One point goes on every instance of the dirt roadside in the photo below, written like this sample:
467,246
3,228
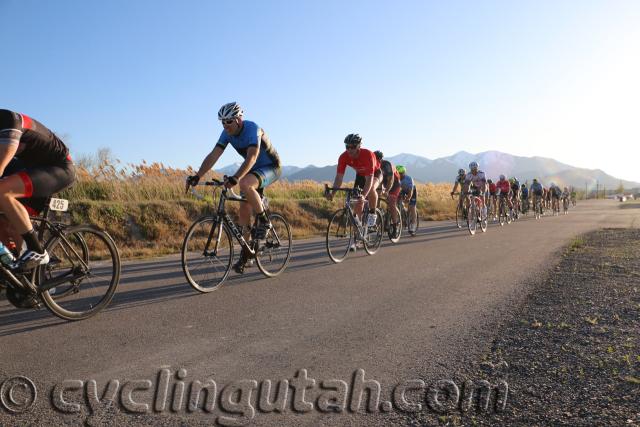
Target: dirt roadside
570,353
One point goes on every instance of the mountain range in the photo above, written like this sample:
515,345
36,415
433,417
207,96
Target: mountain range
493,163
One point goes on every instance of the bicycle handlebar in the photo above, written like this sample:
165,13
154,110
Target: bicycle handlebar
218,183
352,191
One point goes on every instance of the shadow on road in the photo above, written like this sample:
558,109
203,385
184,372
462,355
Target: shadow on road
137,288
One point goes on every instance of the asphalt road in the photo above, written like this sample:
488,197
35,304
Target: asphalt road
414,310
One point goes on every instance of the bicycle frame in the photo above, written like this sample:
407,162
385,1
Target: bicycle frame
350,193
57,229
222,215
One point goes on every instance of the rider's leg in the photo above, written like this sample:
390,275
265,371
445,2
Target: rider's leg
373,196
249,185
413,214
12,187
392,203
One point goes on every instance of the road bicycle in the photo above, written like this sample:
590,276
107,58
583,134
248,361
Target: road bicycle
208,248
462,211
565,205
537,207
82,274
404,215
345,229
504,212
393,230
525,206
492,208
515,211
555,206
475,216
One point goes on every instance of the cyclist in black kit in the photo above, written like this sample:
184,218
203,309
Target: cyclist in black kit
34,164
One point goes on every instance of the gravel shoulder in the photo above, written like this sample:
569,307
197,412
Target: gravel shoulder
570,352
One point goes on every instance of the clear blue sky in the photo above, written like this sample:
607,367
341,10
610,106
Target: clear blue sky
557,78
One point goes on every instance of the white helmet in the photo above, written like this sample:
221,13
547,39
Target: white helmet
473,165
230,111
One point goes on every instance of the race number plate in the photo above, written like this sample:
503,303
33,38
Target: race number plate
59,205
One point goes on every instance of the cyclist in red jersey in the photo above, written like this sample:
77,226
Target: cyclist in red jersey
368,174
504,187
34,164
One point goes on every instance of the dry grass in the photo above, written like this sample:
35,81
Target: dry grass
145,208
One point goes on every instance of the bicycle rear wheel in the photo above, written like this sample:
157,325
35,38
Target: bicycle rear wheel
206,267
339,236
273,253
83,273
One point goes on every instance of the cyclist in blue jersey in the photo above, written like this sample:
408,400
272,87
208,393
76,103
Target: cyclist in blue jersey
261,167
409,193
536,192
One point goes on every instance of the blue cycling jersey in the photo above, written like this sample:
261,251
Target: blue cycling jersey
536,186
252,135
406,184
525,192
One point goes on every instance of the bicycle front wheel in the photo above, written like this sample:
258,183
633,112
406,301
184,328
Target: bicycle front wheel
82,274
340,236
273,253
373,239
395,230
207,253
472,222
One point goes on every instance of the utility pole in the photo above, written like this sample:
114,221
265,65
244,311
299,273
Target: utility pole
586,196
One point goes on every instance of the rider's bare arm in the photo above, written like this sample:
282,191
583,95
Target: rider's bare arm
337,182
210,160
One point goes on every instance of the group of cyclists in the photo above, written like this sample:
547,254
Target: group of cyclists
35,163
517,198
376,176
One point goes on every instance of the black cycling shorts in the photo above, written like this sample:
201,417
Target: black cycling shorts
40,182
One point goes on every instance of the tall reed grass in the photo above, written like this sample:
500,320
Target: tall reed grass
145,207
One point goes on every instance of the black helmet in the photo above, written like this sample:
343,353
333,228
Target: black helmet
353,139
378,154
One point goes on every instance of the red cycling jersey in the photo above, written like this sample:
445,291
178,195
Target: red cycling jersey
492,188
504,186
365,164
